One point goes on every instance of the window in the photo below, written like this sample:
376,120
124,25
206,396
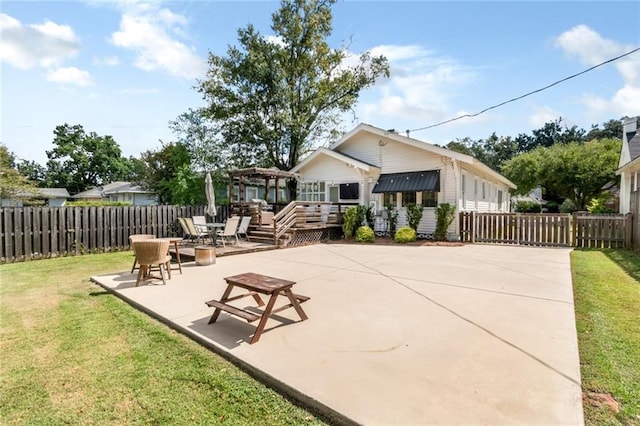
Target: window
389,199
500,200
484,191
333,193
408,198
429,199
312,191
349,191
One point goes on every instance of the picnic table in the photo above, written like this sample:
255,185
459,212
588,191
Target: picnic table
257,284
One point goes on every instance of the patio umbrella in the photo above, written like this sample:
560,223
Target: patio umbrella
211,196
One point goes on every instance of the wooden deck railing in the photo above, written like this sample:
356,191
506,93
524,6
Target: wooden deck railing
301,215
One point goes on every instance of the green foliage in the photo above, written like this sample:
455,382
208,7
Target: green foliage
12,182
405,234
414,215
369,215
170,175
528,207
97,203
80,161
273,101
202,142
575,171
353,219
493,151
392,217
598,204
364,234
445,214
567,206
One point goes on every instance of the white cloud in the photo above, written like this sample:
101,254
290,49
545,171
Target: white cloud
541,116
590,48
110,61
36,45
153,34
421,86
70,75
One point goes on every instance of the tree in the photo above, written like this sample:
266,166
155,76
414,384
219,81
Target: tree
551,133
33,171
273,97
80,161
169,174
12,182
202,141
578,172
611,129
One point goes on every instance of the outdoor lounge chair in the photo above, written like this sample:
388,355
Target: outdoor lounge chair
152,253
138,237
190,230
229,231
243,228
200,223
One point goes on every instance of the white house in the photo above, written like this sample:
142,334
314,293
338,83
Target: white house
119,191
629,167
374,167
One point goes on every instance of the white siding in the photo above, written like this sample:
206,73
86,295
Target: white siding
334,172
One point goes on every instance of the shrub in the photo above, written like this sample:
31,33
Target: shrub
568,206
528,207
445,213
353,219
414,215
405,234
364,234
370,216
392,217
597,205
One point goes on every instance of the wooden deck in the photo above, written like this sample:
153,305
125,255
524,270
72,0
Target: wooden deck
187,249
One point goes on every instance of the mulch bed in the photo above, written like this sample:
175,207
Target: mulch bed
386,241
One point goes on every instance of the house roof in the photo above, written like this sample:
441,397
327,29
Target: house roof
428,180
54,192
262,173
113,188
391,135
337,156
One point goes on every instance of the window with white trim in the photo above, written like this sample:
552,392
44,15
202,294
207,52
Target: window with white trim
311,191
429,199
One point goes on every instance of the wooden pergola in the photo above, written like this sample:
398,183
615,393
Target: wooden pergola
244,176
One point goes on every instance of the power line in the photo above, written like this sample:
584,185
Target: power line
527,94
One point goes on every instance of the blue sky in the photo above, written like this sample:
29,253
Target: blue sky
126,68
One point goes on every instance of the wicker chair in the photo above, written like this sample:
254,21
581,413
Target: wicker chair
138,237
149,253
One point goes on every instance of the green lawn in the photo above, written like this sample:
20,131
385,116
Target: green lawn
607,303
73,353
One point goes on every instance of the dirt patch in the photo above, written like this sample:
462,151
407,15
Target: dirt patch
601,399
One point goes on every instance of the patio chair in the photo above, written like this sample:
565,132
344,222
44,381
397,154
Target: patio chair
190,230
152,253
138,237
243,228
200,223
229,231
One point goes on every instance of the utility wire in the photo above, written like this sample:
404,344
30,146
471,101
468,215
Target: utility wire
526,94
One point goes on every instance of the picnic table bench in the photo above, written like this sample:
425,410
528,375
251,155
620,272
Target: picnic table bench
257,284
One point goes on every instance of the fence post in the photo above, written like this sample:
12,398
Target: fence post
473,227
574,229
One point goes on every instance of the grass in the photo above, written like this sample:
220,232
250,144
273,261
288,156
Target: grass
607,303
73,353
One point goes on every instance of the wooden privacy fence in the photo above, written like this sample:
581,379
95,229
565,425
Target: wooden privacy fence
547,229
41,232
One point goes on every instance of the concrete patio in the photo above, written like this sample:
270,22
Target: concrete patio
473,334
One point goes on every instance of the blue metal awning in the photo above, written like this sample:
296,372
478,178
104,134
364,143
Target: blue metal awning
428,180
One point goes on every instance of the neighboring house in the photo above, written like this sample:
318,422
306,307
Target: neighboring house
374,167
119,191
53,197
629,167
